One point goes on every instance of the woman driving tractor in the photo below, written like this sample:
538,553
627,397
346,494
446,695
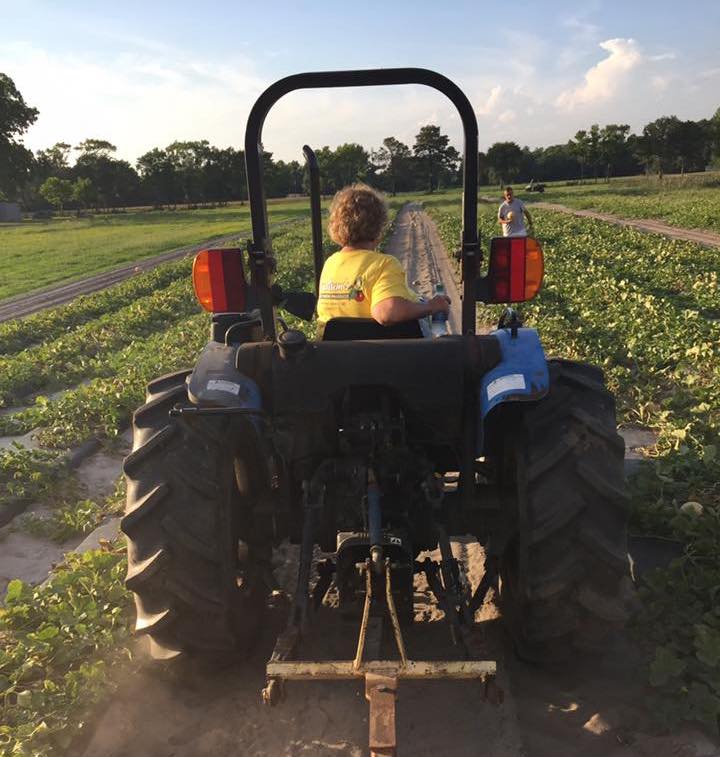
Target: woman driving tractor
358,281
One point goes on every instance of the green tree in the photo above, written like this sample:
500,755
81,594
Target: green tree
594,151
483,169
115,181
657,147
504,160
97,147
556,162
433,149
394,160
344,165
713,135
84,193
613,146
16,161
57,191
159,177
580,147
53,161
225,174
190,161
350,164
690,142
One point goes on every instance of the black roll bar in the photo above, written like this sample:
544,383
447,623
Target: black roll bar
260,250
315,213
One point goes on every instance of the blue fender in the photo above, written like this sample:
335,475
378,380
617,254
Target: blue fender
216,382
520,376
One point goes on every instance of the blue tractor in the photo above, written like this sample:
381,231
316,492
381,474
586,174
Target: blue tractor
348,445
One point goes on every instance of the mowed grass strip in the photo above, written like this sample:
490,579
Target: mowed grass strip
37,254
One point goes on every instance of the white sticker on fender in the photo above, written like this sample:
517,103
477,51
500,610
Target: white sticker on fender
220,385
505,384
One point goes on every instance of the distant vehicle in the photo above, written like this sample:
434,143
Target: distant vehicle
534,186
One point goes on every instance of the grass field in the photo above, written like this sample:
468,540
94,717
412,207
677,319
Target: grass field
692,201
35,254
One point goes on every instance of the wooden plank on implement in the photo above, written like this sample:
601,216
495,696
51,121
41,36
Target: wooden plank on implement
381,692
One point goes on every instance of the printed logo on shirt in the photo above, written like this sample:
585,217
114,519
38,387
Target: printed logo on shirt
356,292
343,290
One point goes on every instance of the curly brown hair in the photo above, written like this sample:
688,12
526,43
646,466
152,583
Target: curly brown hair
358,214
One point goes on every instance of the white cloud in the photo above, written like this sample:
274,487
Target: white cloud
603,80
492,100
137,100
148,95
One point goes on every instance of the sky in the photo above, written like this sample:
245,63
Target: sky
144,74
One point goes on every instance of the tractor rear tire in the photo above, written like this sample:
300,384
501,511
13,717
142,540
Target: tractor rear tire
197,586
565,579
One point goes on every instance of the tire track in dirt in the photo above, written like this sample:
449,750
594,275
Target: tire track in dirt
416,242
215,709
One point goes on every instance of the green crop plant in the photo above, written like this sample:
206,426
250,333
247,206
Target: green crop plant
646,309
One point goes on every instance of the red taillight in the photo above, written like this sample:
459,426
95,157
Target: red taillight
516,269
219,280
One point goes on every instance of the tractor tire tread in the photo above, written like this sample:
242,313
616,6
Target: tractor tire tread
182,562
574,537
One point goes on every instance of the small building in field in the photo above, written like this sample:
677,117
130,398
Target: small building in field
10,212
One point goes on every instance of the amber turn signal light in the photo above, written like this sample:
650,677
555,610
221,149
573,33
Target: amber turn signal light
515,272
219,282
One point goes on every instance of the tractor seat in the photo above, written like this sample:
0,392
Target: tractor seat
349,329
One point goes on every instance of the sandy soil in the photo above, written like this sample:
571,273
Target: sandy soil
416,242
214,708
31,558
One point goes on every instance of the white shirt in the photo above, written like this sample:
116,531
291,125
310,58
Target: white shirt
516,227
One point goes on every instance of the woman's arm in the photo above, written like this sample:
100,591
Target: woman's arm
397,309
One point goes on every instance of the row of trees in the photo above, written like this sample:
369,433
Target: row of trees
197,172
665,145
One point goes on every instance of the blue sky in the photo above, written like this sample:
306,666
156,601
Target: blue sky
145,74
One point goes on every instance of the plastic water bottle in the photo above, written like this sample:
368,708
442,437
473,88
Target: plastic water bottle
439,320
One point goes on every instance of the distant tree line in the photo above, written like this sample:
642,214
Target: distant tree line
666,145
197,173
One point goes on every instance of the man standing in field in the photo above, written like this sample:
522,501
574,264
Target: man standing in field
510,215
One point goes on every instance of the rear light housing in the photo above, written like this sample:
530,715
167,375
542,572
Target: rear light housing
219,280
515,271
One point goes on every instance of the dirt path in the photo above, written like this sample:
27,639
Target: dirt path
416,242
592,710
707,238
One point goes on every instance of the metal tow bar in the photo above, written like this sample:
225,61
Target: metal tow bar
381,676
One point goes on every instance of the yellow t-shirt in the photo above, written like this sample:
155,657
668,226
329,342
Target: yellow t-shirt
352,281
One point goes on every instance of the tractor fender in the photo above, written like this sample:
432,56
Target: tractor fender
520,376
216,382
